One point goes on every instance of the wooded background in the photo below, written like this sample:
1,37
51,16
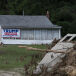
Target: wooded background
62,12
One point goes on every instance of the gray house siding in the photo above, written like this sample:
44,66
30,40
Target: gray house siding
40,34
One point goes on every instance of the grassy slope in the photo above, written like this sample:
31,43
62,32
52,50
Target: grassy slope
11,56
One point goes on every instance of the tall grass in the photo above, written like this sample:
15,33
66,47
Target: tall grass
11,56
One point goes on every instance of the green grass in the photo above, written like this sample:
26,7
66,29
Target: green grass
11,56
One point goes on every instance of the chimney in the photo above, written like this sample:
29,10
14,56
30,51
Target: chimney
47,14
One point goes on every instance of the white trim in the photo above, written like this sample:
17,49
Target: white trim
11,41
34,34
59,33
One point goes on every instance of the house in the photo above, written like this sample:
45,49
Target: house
17,29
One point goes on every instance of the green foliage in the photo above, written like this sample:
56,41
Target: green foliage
62,12
65,27
11,56
72,28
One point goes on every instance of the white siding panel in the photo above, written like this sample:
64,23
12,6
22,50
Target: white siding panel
56,34
31,34
37,35
27,34
24,34
43,34
40,34
49,34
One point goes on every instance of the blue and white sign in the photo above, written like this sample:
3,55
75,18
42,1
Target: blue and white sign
11,33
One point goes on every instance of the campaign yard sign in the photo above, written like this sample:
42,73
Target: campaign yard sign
15,33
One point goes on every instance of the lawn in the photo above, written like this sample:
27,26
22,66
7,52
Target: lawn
11,56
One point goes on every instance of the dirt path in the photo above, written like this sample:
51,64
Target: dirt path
9,73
